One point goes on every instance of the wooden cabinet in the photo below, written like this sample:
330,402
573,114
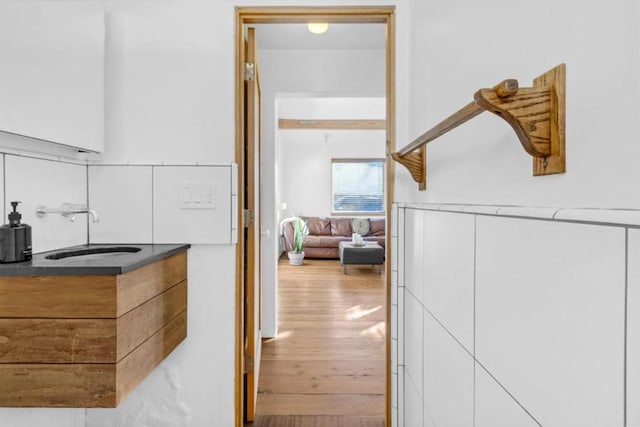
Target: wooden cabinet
52,72
88,341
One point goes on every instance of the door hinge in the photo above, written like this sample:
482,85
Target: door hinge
248,218
248,364
249,71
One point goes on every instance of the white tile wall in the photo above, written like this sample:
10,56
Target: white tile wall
413,355
172,224
44,182
448,378
550,317
633,330
448,261
122,197
494,407
413,252
413,407
401,399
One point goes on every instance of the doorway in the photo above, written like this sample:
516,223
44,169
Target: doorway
244,16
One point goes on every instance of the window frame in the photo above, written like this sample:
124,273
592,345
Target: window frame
381,160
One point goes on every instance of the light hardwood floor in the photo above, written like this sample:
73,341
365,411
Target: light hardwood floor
326,367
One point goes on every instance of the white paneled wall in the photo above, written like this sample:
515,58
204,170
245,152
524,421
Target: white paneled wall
515,321
448,378
50,183
550,311
448,272
494,407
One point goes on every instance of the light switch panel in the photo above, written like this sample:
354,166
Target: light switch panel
198,195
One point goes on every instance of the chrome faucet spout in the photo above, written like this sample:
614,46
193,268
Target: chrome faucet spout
67,210
94,215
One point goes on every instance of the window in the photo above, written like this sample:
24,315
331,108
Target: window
357,186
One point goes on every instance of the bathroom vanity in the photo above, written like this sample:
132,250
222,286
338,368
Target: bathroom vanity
83,326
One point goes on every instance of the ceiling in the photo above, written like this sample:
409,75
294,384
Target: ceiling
339,36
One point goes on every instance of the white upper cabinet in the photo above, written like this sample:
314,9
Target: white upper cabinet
52,71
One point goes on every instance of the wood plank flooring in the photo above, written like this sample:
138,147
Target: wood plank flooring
326,367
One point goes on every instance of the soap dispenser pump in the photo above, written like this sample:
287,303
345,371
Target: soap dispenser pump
15,238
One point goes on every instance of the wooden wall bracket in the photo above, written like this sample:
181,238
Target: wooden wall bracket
536,114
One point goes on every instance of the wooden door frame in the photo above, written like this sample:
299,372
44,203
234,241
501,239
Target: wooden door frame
333,14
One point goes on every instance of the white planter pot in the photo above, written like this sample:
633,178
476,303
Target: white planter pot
296,258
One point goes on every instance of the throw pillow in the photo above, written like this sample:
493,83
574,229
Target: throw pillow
360,226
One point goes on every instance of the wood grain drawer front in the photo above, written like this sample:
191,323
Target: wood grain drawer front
57,340
145,358
88,340
138,286
139,324
84,385
58,296
58,385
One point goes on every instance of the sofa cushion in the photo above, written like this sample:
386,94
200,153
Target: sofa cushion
319,226
341,227
376,227
360,226
322,241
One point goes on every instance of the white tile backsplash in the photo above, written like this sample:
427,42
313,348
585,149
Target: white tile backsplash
44,182
449,271
448,378
122,197
550,317
172,223
633,330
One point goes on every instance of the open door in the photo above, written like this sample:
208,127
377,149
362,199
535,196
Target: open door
252,292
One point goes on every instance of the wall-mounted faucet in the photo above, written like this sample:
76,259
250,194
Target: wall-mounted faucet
67,210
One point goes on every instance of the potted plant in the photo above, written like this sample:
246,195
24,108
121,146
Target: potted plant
300,231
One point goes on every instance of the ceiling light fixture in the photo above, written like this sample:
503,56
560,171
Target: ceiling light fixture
318,27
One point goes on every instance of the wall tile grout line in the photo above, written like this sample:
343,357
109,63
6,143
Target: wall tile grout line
507,391
475,267
626,337
535,218
442,326
87,203
153,179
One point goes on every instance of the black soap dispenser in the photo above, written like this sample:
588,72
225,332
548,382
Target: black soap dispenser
15,239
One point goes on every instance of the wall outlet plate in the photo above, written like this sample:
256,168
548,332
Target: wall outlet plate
197,195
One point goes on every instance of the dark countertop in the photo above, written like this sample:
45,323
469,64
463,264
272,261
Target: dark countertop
110,263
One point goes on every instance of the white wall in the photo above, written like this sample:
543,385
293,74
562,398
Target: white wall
549,287
305,183
458,48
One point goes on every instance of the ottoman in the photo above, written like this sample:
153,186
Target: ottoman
370,253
